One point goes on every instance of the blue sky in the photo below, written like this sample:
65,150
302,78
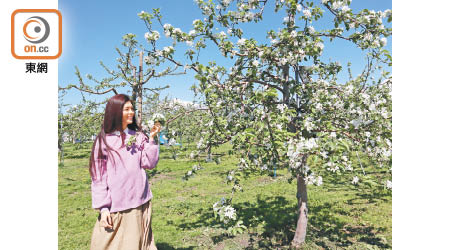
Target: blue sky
92,30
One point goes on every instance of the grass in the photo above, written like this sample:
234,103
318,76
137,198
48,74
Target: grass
341,216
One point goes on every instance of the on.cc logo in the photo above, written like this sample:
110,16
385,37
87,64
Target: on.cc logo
36,29
36,34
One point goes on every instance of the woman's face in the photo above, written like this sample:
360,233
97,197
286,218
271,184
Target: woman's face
128,114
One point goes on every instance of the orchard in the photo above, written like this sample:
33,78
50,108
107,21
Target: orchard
281,102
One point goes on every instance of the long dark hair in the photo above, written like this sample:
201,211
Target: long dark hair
112,121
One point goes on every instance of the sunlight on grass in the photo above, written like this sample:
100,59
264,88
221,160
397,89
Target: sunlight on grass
340,215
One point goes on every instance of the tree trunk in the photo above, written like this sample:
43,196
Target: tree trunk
139,88
286,89
74,136
209,157
302,222
302,195
61,149
302,192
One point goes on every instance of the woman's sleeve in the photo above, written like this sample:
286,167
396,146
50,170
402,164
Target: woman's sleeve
101,196
150,153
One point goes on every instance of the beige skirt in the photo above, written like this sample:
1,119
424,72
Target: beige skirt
132,230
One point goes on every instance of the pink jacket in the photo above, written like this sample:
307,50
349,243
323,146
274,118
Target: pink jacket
124,184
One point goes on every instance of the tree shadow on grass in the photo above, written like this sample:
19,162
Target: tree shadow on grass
153,172
366,193
166,246
329,230
166,157
272,222
371,196
76,155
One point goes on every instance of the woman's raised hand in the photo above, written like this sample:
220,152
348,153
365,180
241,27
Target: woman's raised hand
156,129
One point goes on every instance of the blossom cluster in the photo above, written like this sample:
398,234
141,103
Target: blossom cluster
153,36
224,211
158,117
190,173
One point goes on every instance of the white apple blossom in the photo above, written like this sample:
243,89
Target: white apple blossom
249,16
226,2
384,113
355,180
241,41
336,5
230,212
200,143
319,106
320,45
261,53
155,35
356,122
345,8
282,107
159,117
149,59
383,41
307,13
293,33
332,167
388,184
308,124
348,167
167,26
177,31
376,43
310,179
168,49
319,181
150,123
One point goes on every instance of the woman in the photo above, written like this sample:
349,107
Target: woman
119,186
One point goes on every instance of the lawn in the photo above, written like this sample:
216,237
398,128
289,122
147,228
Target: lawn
341,216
